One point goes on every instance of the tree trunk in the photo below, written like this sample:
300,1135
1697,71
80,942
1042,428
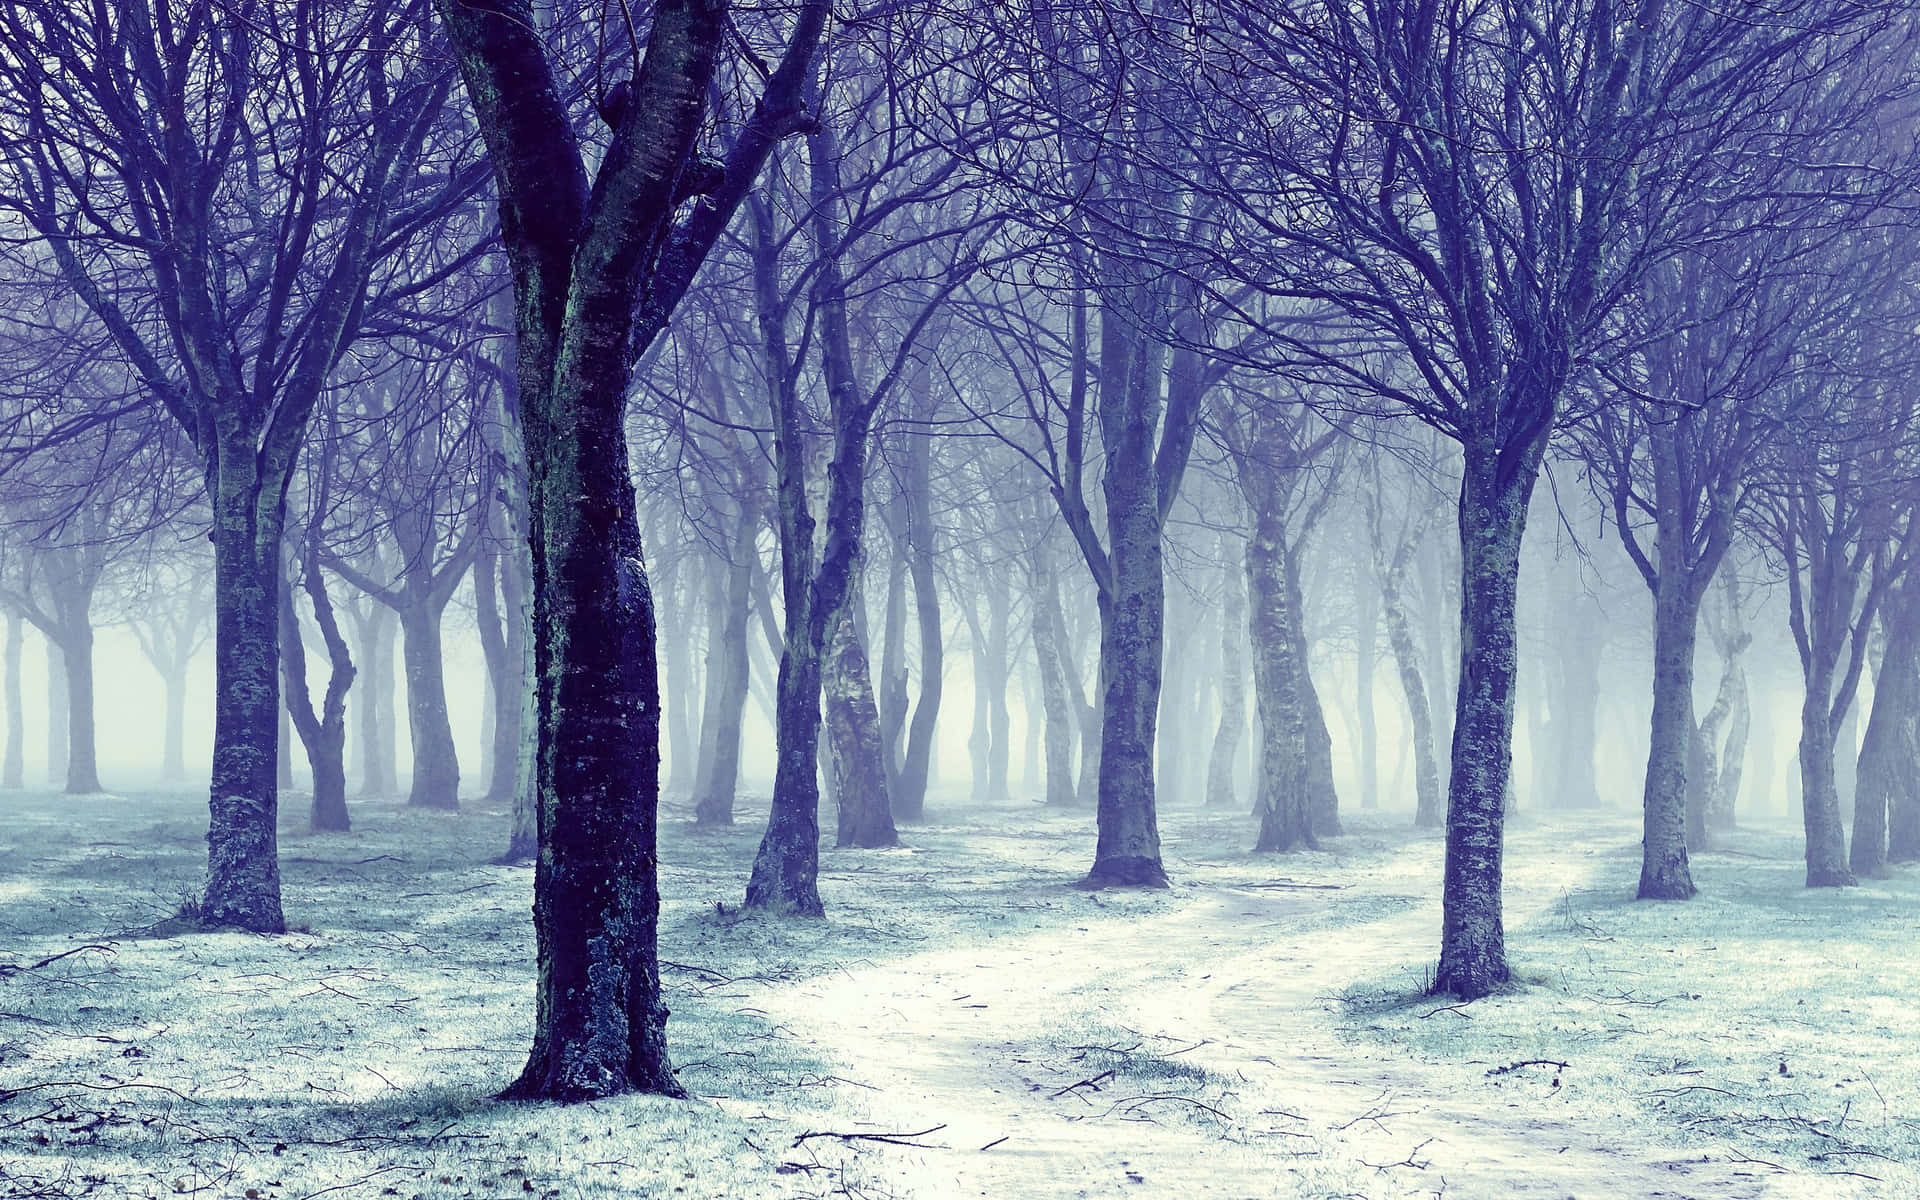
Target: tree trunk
1890,753
855,755
1127,853
728,673
324,734
1323,798
1049,649
76,652
1224,759
1366,660
1664,873
13,774
1429,811
243,866
373,635
436,764
999,724
58,714
1286,769
678,700
1493,517
1819,794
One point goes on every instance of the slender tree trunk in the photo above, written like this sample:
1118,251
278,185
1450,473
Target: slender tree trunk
1429,811
1664,873
1049,651
728,673
377,752
855,755
1366,662
13,774
283,753
678,692
1224,760
58,714
503,645
999,723
916,765
436,764
523,840
892,695
324,734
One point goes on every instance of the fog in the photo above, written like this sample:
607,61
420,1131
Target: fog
1022,598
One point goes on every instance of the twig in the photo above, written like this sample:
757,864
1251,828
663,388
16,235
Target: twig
1093,1083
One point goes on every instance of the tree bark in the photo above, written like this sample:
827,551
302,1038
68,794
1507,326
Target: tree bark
436,763
1049,649
855,754
1429,810
1285,802
1224,760
243,867
1819,794
728,672
1493,515
1664,873
58,713
13,773
1890,752
76,653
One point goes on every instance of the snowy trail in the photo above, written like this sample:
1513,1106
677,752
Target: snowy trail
974,1039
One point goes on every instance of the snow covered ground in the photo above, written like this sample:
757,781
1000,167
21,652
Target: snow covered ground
964,1024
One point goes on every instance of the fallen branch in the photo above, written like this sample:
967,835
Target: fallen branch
10,969
1093,1083
1510,1068
891,1139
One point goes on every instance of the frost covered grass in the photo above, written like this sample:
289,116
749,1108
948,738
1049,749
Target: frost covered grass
965,1023
1762,1024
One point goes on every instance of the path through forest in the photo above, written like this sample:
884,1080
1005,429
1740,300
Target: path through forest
989,1042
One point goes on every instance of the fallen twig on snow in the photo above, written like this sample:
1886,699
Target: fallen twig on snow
10,969
891,1139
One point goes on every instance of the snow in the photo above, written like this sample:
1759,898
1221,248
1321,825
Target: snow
1256,1030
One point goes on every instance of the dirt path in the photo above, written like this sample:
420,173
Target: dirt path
990,1042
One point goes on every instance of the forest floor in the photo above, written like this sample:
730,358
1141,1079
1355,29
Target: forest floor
964,1023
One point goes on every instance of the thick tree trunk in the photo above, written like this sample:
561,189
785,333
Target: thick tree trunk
243,865
1224,760
76,652
436,764
1127,853
1890,753
1285,803
1323,798
1819,794
1664,873
786,867
854,752
13,773
1493,516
